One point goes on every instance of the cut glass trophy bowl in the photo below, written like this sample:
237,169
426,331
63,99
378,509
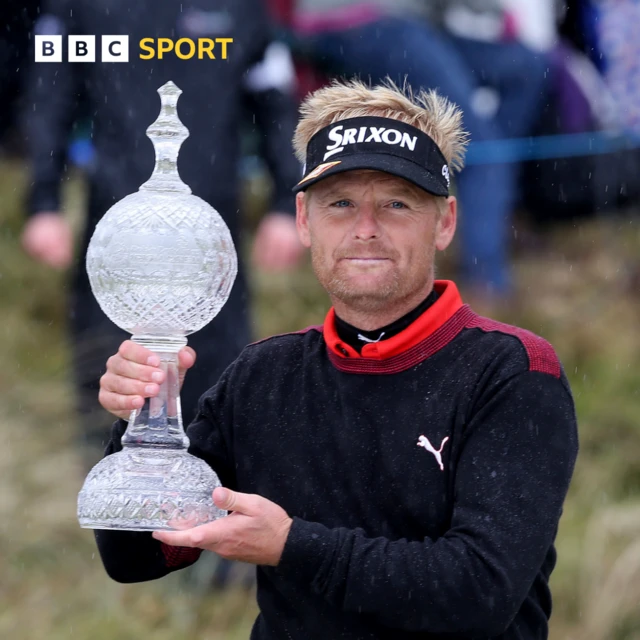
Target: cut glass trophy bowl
161,263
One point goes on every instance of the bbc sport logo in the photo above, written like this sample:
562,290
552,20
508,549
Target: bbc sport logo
115,48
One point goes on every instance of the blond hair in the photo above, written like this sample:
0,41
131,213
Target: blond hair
426,110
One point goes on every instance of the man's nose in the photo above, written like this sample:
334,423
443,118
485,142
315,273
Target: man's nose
366,225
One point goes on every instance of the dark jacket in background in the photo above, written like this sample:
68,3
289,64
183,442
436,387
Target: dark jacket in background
121,101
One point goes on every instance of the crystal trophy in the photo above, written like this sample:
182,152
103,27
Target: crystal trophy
161,263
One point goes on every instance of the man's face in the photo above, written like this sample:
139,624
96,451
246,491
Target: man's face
373,237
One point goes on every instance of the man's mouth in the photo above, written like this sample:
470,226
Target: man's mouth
364,259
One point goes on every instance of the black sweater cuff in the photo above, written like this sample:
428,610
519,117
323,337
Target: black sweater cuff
308,546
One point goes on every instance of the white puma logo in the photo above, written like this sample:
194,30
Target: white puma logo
423,441
364,339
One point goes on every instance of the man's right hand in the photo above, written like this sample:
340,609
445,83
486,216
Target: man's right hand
48,238
134,374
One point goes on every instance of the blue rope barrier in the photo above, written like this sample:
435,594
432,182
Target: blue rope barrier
508,150
547,147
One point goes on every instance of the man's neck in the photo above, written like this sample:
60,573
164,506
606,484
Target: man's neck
372,319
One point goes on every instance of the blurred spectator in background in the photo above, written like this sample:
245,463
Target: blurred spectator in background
610,33
588,160
470,51
122,102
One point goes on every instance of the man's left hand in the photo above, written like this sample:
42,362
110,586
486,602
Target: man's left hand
255,532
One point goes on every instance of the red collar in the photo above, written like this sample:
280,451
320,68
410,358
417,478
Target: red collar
414,336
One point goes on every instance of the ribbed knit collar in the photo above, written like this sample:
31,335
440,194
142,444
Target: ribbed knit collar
357,338
397,347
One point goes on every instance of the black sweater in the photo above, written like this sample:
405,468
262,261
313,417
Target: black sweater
425,478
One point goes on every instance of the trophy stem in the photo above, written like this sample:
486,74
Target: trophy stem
154,483
159,423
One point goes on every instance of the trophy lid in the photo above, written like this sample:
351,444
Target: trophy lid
167,134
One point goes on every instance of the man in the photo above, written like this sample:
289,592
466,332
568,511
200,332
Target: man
466,50
253,77
398,472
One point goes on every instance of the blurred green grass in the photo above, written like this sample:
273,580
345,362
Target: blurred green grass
581,291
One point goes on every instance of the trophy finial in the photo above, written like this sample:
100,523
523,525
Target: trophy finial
167,134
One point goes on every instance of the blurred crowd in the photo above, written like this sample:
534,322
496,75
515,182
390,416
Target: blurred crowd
550,93
549,90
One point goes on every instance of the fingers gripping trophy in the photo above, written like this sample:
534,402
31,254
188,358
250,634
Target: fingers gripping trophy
161,263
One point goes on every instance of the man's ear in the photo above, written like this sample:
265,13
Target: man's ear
446,225
302,218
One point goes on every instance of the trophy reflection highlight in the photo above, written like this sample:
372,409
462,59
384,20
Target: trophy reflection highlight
161,263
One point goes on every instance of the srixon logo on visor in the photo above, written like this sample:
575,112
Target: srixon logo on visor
378,144
341,137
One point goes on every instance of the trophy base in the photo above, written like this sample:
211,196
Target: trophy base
148,489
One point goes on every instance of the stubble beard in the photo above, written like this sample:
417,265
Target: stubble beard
338,285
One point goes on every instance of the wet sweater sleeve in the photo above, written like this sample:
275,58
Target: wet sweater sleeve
511,478
132,556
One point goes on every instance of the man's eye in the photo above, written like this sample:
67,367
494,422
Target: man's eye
341,203
398,205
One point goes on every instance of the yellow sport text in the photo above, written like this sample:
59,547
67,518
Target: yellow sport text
185,48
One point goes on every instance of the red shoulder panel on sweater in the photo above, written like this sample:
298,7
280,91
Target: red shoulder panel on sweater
542,356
